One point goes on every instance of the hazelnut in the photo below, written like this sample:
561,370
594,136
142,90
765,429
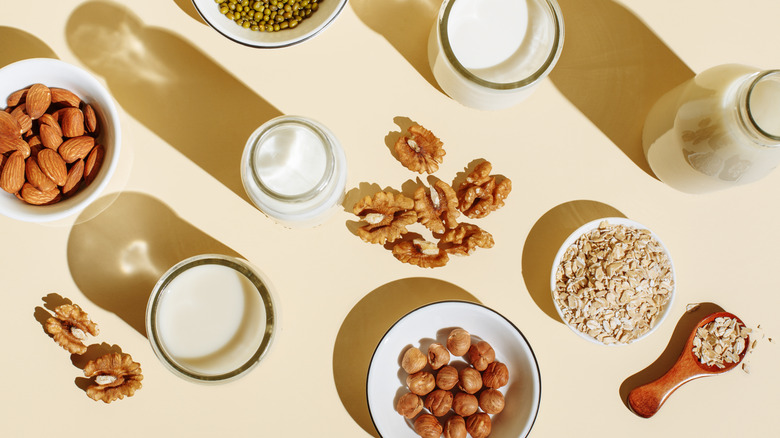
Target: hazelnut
409,405
427,426
495,375
491,401
414,360
447,377
439,402
455,427
458,342
465,404
421,382
480,355
438,356
470,380
479,425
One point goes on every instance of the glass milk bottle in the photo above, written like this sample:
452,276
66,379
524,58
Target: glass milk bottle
717,130
295,171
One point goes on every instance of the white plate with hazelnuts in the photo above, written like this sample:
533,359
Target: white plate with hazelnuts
454,369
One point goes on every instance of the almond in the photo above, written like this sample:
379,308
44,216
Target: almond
35,140
32,195
75,174
36,177
24,148
12,177
38,100
50,137
52,164
72,122
90,120
66,97
93,163
9,126
48,119
76,148
10,144
16,97
25,122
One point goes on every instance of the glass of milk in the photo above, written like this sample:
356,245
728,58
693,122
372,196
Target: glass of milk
490,54
294,170
211,318
717,130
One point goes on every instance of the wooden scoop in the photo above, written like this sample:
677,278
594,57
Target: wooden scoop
647,399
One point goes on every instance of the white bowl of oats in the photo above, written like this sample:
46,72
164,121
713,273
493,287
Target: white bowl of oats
613,281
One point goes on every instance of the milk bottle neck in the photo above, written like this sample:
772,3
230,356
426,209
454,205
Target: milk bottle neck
758,108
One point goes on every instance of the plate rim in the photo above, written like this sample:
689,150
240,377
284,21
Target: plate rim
470,303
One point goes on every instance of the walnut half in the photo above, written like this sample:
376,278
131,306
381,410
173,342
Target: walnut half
479,194
420,151
465,239
421,253
116,377
387,216
70,327
438,211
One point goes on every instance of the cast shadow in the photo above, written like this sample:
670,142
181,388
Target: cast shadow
544,240
364,327
406,25
674,348
117,257
614,68
18,45
171,87
188,8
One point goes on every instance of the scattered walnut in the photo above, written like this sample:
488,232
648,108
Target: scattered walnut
420,151
465,238
421,253
70,326
116,376
387,216
479,194
439,210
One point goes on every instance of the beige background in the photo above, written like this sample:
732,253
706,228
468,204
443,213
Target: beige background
189,98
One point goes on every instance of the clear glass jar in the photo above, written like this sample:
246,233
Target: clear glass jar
294,170
717,130
490,54
211,318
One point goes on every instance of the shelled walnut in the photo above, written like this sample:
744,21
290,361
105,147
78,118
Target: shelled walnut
437,209
116,376
465,239
480,194
420,151
421,253
387,216
70,327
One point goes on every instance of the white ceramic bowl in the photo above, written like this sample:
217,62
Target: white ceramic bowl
573,238
387,380
308,28
55,73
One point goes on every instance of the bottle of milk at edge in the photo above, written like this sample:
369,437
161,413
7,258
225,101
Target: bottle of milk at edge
717,130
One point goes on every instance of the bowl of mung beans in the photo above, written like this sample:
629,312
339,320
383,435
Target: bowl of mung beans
269,23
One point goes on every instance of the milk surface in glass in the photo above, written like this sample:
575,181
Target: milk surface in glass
488,54
211,319
699,137
291,161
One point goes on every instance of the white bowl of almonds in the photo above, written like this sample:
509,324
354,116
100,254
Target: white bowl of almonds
59,139
613,281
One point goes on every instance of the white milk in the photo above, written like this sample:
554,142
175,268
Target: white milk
698,137
210,319
294,170
488,54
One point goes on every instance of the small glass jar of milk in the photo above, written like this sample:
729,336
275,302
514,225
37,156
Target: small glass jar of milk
490,54
211,318
717,130
294,170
